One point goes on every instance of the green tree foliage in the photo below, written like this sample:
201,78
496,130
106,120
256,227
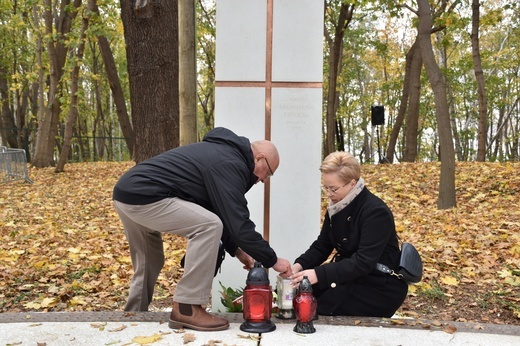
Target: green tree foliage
25,67
374,47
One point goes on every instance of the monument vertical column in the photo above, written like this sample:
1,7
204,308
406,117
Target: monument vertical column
269,66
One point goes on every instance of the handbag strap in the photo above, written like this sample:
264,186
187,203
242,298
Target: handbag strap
383,268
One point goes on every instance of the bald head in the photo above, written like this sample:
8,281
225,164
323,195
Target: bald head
266,159
268,149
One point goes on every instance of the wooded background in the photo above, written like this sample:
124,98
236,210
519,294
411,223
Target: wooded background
101,80
89,80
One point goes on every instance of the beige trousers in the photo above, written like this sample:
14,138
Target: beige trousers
143,227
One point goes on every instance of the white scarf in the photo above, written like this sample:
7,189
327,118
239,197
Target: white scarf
334,208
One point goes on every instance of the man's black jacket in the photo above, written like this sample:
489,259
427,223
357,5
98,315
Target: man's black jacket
215,174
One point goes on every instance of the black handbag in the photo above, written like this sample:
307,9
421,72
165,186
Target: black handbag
410,265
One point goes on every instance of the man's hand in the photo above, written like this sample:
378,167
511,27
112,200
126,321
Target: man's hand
283,267
246,260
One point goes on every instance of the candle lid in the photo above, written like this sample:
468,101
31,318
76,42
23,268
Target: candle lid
257,276
305,285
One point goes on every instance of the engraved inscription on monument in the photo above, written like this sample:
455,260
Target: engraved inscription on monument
296,111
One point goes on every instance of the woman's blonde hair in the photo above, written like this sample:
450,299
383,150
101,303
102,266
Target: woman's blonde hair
343,163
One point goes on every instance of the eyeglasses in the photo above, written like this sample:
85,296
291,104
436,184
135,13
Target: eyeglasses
332,191
271,173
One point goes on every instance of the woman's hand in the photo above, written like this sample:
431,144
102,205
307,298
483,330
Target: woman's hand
296,267
298,277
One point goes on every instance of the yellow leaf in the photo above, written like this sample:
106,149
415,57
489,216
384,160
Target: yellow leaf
49,302
505,273
398,322
74,256
249,336
412,290
98,325
118,329
40,264
423,285
516,311
9,258
77,301
450,280
515,250
124,259
113,343
188,337
144,340
513,281
32,305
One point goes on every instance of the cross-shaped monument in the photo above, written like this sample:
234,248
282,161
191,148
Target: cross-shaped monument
269,70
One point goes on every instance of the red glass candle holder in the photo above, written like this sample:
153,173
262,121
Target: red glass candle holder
305,305
257,302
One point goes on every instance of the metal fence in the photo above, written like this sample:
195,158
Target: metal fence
13,165
83,148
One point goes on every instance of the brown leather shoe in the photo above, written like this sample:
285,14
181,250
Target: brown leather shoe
195,317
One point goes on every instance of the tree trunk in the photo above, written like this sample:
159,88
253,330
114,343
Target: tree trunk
151,29
447,197
42,157
73,110
117,91
206,64
442,54
403,107
479,76
335,47
41,76
21,112
412,118
8,132
57,50
187,73
98,127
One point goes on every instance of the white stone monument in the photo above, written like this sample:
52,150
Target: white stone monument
269,68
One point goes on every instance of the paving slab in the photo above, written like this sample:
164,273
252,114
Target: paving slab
115,333
151,328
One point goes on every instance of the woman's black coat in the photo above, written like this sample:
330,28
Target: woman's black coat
362,234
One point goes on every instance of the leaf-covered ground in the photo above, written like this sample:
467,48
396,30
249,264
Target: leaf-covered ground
62,246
